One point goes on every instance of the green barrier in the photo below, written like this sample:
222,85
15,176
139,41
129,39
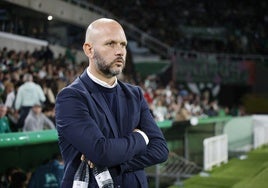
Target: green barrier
216,119
27,138
240,134
30,138
186,137
165,124
29,149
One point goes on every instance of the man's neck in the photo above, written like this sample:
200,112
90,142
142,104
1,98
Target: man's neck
102,80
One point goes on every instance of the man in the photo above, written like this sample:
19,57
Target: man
36,120
49,174
104,119
29,93
4,121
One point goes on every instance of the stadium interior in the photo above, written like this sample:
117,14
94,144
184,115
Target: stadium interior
215,48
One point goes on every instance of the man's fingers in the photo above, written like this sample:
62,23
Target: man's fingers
82,158
91,165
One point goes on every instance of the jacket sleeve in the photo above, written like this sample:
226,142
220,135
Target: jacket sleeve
157,150
78,130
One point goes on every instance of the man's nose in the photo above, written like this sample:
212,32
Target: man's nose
120,50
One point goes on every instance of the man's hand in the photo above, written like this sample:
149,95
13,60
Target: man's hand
91,165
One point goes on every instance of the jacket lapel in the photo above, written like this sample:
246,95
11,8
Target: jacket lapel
123,110
100,101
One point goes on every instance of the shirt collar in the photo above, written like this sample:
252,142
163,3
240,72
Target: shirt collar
100,82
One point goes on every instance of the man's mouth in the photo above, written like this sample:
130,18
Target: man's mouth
119,62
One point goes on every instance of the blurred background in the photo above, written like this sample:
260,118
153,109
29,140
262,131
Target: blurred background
202,65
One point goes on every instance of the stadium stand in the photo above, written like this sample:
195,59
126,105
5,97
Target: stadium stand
207,26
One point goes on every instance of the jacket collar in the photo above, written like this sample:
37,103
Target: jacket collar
98,98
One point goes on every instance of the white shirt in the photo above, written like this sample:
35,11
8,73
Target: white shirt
10,99
29,94
100,82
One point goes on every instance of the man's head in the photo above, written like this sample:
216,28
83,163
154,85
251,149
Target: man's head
27,77
37,108
105,46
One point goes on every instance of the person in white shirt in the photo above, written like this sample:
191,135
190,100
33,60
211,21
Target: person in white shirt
28,94
13,116
10,92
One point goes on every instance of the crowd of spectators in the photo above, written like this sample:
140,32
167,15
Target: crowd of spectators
178,103
203,26
237,27
22,71
29,82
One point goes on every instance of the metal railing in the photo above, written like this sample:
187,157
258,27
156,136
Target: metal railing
176,168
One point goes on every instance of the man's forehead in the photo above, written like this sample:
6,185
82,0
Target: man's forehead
109,34
105,30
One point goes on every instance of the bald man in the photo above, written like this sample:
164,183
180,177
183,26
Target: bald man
104,119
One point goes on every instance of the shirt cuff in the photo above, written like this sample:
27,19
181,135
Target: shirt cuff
144,136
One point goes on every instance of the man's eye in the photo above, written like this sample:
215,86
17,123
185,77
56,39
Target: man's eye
110,44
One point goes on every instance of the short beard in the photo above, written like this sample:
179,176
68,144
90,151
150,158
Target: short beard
105,67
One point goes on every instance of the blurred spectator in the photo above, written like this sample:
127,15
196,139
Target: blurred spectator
160,110
9,103
49,111
213,109
48,175
147,93
196,109
48,54
241,110
46,86
36,120
10,95
29,93
14,177
4,121
18,180
182,114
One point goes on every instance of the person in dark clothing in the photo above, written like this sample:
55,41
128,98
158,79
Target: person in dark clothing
106,120
48,175
18,180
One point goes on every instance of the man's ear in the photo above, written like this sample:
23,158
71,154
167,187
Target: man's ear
88,50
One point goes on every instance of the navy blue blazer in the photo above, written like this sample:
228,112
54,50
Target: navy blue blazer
86,126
